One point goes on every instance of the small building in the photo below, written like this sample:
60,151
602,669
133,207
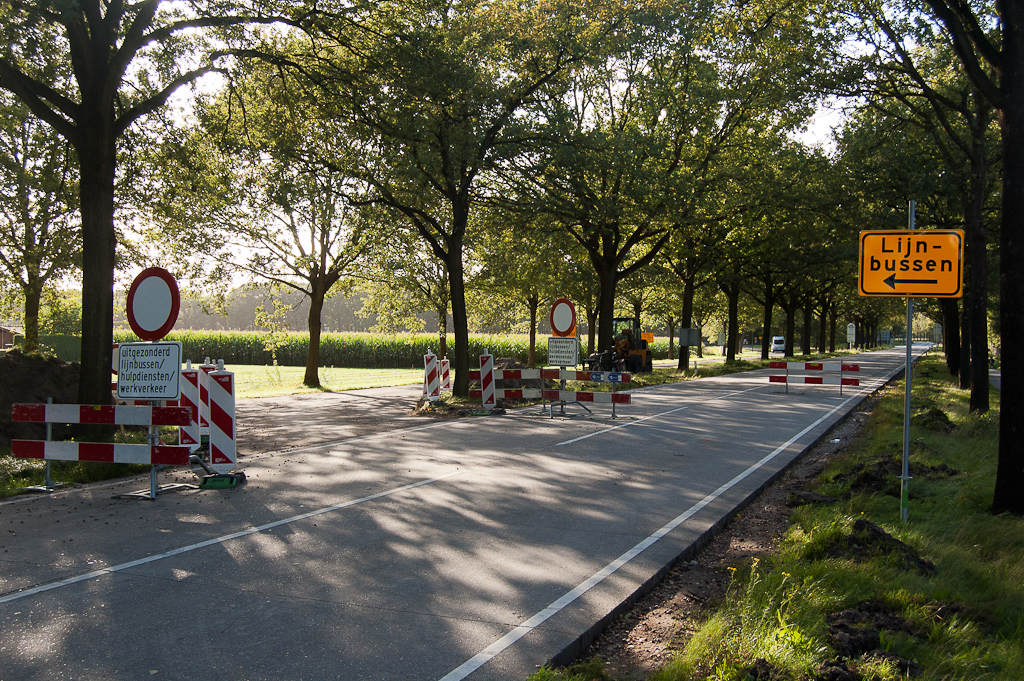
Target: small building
6,338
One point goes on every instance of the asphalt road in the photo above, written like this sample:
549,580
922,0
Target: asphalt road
479,548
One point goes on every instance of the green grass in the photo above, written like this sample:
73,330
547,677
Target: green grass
268,381
965,621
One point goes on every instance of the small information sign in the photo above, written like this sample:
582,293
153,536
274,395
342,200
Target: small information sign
563,351
148,371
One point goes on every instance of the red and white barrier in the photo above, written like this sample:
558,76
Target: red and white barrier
115,415
189,434
556,374
488,390
446,374
831,373
431,377
487,397
556,395
223,454
204,394
159,455
167,455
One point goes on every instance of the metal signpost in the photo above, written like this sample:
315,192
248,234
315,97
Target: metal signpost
151,371
922,264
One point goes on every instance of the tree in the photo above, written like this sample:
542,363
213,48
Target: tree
254,188
126,60
400,281
523,263
924,86
38,200
996,65
434,94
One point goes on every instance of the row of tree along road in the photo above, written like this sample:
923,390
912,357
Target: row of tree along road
539,149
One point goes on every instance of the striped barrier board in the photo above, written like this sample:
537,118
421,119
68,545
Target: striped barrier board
204,395
101,414
431,377
509,394
555,374
556,395
165,455
488,398
446,374
189,433
837,369
223,453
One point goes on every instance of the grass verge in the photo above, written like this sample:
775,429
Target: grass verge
270,381
854,592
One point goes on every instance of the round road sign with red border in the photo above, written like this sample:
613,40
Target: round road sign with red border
563,317
153,303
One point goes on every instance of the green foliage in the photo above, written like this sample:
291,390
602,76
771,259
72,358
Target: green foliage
61,313
591,670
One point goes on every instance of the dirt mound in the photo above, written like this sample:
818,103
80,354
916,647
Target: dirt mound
867,540
884,475
30,378
856,631
934,419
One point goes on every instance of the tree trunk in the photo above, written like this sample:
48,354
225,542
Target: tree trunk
533,303
766,320
591,329
951,334
442,330
460,319
32,295
314,324
732,292
805,336
1008,494
670,323
977,290
823,327
97,166
605,306
965,348
686,322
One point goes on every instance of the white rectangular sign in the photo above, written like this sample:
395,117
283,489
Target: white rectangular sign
148,371
563,351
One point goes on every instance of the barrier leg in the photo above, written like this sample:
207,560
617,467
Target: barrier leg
48,486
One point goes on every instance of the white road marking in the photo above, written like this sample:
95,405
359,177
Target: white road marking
488,653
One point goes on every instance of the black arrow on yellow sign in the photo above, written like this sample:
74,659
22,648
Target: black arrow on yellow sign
892,281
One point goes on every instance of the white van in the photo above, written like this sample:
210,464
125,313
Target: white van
778,344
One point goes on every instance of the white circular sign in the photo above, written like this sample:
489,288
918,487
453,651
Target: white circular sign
563,317
153,304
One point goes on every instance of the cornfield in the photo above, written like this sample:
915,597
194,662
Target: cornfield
354,350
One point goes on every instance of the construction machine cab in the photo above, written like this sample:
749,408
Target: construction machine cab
629,345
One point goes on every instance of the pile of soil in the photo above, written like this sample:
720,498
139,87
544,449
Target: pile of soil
32,379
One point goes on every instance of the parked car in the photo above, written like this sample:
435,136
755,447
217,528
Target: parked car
778,343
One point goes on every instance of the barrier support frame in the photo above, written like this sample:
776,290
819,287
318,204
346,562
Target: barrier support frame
153,436
48,486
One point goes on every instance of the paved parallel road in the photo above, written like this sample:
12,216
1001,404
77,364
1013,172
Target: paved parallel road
475,549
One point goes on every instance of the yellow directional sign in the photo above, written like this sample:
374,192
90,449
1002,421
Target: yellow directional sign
921,264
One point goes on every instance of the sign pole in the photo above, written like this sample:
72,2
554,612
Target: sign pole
905,478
